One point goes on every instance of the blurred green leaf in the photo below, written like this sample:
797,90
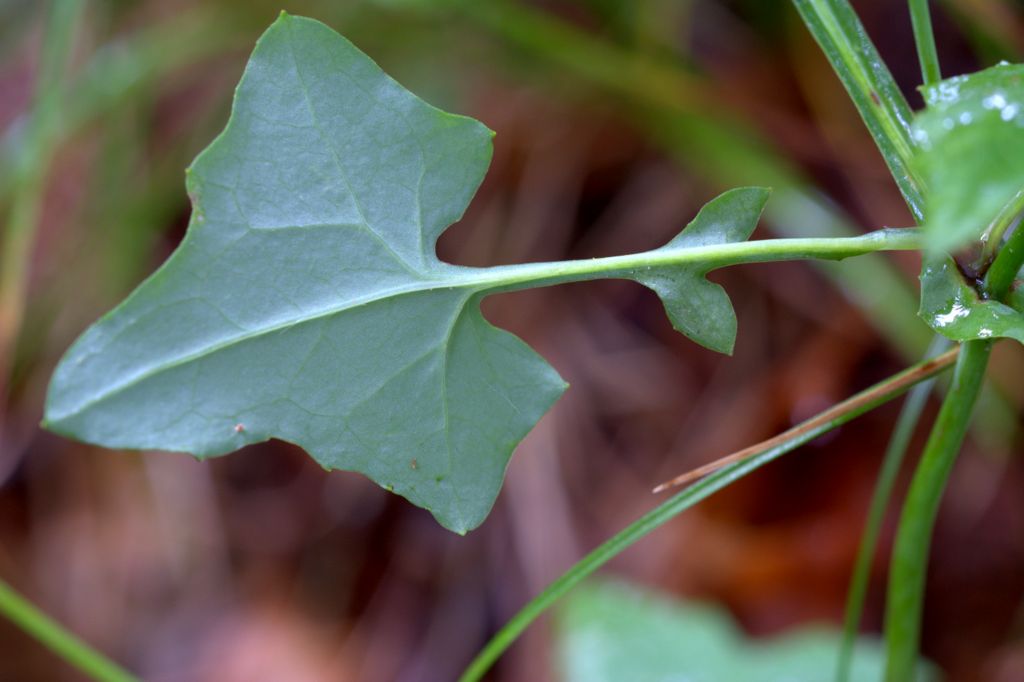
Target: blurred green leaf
971,140
955,309
307,303
613,631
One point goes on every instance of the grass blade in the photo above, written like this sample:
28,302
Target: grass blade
894,386
910,553
853,56
891,464
925,41
677,504
51,634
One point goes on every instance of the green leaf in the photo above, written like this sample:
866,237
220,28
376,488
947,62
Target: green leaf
306,302
954,309
971,140
614,631
699,308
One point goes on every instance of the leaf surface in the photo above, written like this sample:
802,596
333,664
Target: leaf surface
611,631
954,309
307,303
971,142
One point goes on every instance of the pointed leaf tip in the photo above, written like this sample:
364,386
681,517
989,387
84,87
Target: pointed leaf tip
729,217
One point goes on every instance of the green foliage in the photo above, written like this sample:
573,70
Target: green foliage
613,631
727,475
956,310
307,303
971,152
699,308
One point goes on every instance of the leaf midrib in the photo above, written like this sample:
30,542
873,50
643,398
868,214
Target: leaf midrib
211,349
497,278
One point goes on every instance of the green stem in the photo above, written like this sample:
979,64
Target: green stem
993,237
1007,263
910,552
895,453
876,395
51,634
724,151
707,258
853,56
924,38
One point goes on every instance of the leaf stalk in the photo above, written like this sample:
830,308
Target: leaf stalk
705,257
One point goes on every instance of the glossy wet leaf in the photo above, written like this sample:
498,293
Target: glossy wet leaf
953,308
971,141
306,301
609,631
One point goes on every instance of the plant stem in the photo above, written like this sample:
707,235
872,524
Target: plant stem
726,152
673,506
924,38
853,56
993,236
1007,263
910,552
895,453
704,257
51,634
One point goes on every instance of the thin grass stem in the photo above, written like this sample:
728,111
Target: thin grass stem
924,38
905,599
668,510
895,453
61,642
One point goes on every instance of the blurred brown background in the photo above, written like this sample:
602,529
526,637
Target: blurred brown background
616,121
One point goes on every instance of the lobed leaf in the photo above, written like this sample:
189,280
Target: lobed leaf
971,142
307,303
698,308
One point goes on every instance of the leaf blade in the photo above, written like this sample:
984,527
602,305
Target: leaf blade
306,301
234,347
696,307
955,309
971,152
